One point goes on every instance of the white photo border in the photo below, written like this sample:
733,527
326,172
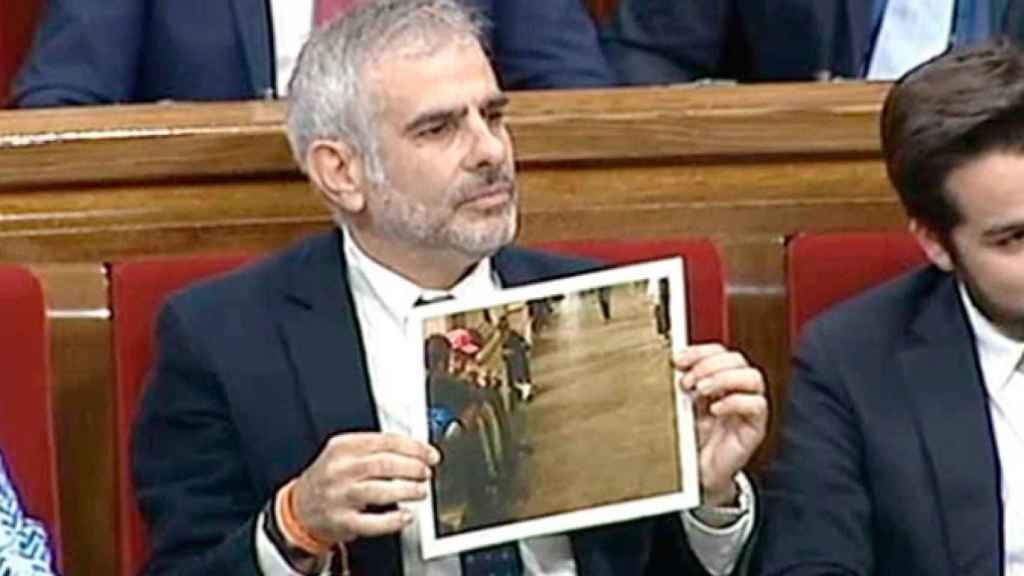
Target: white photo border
433,546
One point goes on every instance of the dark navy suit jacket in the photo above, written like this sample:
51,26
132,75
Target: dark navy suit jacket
666,41
105,51
888,463
255,371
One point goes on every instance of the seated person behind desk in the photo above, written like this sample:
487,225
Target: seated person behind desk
111,51
903,445
24,550
273,435
671,41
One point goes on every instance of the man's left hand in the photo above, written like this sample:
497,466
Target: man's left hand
731,411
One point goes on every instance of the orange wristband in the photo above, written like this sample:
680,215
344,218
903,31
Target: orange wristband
290,526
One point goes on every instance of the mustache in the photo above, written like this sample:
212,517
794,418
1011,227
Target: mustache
483,182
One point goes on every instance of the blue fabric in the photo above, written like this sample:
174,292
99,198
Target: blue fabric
888,465
500,560
973,21
666,41
106,51
441,417
23,546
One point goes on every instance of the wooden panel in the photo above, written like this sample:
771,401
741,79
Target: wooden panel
745,166
190,142
78,310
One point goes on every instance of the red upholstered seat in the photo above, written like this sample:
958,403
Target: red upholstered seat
824,269
26,421
138,289
705,275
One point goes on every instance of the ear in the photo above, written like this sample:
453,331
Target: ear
337,172
932,245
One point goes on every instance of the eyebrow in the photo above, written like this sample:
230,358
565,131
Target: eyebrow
432,117
1003,229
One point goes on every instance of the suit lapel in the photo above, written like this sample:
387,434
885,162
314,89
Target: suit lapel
252,23
940,372
858,21
322,337
1009,15
510,269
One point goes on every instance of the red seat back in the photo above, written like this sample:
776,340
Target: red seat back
705,275
138,289
824,269
26,421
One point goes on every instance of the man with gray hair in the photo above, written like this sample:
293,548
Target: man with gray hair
275,434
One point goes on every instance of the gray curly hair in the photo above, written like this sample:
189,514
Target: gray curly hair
328,95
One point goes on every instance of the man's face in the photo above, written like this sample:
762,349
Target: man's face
986,249
445,153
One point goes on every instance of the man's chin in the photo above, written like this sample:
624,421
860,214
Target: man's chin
487,243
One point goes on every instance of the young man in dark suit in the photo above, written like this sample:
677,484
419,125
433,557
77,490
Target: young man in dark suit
274,436
903,451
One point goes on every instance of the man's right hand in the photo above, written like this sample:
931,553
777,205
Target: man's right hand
355,472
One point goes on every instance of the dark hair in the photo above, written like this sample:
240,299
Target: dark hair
436,351
947,112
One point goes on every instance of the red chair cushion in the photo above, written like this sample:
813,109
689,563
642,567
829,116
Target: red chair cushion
138,289
26,424
705,275
824,269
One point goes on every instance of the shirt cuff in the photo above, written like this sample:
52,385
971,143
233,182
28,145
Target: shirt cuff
718,549
269,560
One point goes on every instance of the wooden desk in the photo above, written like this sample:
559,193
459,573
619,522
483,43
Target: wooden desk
746,166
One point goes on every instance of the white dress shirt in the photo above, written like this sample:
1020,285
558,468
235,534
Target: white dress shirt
911,32
383,302
291,20
1000,360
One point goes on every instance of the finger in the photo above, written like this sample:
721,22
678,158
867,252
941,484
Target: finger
368,524
712,363
381,466
748,406
737,380
385,492
372,442
709,364
690,355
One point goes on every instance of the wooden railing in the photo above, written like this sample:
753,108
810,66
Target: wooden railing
746,166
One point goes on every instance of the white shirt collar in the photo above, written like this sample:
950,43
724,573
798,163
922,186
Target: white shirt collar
396,293
998,354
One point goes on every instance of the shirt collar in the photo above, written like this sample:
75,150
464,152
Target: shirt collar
998,354
397,294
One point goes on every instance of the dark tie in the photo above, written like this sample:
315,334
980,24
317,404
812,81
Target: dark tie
502,560
324,11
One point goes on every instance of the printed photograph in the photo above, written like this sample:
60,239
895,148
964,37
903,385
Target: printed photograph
556,407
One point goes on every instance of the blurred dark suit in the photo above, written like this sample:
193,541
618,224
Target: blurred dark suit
888,464
669,41
105,51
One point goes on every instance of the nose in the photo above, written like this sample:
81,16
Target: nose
490,144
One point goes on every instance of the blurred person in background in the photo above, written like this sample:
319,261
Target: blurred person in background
122,51
674,41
